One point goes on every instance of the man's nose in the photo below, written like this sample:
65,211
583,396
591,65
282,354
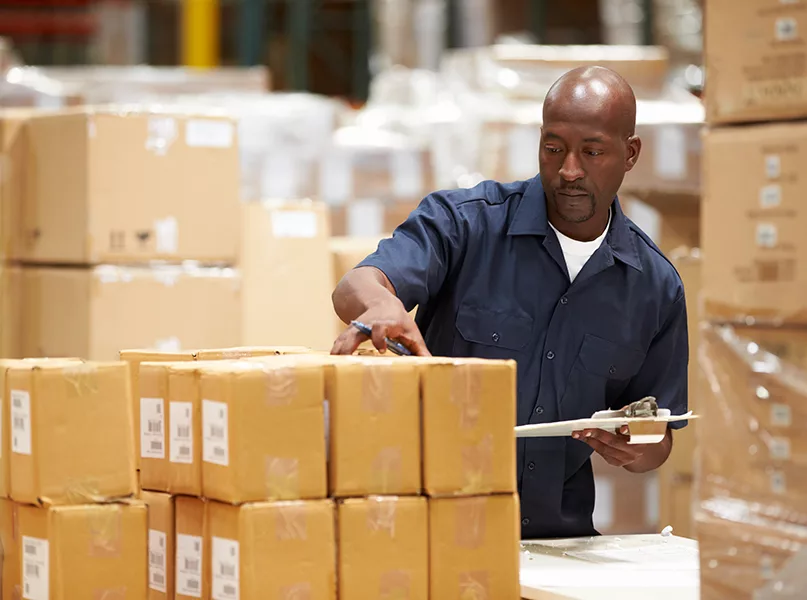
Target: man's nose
571,170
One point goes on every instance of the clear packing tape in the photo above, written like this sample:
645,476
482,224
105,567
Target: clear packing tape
752,460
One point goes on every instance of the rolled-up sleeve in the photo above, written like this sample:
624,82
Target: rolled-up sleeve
422,250
664,372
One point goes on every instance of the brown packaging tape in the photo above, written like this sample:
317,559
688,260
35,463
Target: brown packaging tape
282,478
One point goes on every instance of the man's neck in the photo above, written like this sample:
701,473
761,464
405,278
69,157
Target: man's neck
587,231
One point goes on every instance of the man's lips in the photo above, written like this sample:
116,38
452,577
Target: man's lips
572,194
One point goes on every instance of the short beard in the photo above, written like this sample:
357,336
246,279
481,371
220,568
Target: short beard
576,219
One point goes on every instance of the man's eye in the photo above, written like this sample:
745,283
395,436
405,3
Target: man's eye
552,150
594,152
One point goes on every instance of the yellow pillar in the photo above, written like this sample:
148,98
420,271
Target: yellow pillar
200,33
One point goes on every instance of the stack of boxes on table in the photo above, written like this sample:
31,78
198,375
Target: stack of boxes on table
752,511
289,476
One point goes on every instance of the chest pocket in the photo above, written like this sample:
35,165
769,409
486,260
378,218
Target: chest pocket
599,376
500,334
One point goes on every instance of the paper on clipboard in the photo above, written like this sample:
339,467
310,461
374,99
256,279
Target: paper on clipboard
642,430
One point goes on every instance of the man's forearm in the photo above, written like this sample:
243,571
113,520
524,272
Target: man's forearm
359,290
654,456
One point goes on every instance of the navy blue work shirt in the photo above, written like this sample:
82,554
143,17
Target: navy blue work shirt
489,278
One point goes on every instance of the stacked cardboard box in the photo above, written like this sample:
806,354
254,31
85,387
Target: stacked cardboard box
70,523
751,519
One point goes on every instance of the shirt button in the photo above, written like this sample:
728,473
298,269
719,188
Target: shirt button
525,521
539,410
495,337
612,370
531,466
550,355
564,301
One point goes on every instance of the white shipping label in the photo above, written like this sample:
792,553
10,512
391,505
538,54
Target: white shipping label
336,179
778,484
294,224
767,235
35,569
166,234
522,151
407,174
162,131
170,344
779,448
671,152
181,441
770,196
781,415
215,443
365,218
189,565
207,133
225,569
20,422
773,166
157,560
152,428
280,177
787,29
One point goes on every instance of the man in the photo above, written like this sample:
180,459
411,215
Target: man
551,273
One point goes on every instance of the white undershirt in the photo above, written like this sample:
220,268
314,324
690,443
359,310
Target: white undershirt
577,253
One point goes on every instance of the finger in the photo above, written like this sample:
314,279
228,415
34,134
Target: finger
612,456
379,336
614,440
417,344
348,342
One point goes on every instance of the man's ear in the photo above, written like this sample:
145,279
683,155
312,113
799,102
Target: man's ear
634,149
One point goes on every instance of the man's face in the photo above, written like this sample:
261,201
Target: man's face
583,160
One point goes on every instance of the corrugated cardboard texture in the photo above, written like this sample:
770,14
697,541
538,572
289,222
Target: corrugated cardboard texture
375,427
384,548
755,68
135,358
192,575
161,548
93,313
129,187
263,431
473,547
469,409
96,551
10,539
281,550
71,435
754,248
285,247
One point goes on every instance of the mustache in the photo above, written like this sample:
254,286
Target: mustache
572,189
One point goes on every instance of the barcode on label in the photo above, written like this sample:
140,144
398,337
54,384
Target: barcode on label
191,564
158,578
155,427
156,446
156,559
17,403
193,584
227,570
30,549
197,546
32,570
229,590
19,423
184,451
218,451
216,431
183,432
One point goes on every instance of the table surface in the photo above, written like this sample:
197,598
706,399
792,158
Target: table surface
631,567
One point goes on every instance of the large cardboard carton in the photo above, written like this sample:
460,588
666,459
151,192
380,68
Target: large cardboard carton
473,547
754,248
192,577
93,313
374,411
71,436
672,221
755,68
10,539
369,217
10,311
287,275
151,426
469,409
114,185
161,539
384,548
273,551
263,431
86,551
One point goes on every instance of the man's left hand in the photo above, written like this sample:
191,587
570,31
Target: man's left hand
616,450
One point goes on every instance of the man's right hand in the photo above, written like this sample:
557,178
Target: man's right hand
388,319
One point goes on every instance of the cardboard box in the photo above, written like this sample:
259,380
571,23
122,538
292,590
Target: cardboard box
85,551
474,547
10,311
273,551
285,247
117,186
369,217
161,539
384,548
754,248
93,313
677,500
10,539
755,68
673,222
192,577
71,438
263,431
469,408
374,412
625,503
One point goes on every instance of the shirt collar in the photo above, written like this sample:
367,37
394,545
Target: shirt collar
530,219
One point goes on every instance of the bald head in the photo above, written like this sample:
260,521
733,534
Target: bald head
588,143
593,92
